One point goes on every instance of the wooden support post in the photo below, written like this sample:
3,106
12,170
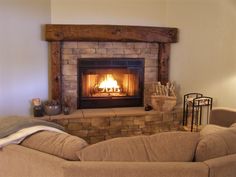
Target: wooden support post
163,62
56,83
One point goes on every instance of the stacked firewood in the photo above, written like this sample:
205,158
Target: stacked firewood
164,90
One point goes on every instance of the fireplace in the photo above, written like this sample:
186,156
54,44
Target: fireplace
110,82
70,44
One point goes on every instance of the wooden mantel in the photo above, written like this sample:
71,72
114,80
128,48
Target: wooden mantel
57,33
110,33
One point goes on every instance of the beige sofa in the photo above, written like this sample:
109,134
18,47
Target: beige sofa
211,153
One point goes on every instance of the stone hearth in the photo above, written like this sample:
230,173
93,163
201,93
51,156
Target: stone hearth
95,125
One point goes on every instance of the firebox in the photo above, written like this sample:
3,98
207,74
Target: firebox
110,82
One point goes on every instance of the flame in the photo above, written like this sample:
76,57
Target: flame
109,84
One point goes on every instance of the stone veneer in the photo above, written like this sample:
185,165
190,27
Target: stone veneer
72,51
95,125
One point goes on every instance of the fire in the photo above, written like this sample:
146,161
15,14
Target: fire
109,84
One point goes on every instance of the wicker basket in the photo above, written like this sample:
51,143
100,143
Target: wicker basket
163,103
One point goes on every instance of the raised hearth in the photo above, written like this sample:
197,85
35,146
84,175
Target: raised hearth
96,125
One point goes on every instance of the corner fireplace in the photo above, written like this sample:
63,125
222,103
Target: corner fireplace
68,43
110,82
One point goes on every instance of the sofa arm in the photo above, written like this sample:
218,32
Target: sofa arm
19,161
223,116
135,169
223,166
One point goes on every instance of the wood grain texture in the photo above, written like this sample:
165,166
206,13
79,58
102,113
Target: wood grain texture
56,89
110,33
163,62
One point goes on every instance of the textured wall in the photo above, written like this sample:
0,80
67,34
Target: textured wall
204,60
23,54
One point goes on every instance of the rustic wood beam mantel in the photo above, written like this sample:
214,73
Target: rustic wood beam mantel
110,33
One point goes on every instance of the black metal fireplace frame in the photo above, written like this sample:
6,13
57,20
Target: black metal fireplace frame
110,63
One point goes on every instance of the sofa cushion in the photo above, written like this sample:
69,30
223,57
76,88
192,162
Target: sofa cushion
59,144
216,144
162,147
210,128
233,125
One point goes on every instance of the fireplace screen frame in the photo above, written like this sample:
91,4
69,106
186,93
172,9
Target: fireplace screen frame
134,64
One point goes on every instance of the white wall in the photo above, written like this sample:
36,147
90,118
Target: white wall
204,59
123,12
23,54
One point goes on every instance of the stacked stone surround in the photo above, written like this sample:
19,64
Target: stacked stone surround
95,125
73,51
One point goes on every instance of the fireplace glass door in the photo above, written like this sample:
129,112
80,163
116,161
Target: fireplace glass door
110,83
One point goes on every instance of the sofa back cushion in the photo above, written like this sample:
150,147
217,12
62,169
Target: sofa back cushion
162,147
218,143
59,144
210,129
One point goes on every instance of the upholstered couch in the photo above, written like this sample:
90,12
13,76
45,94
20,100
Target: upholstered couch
210,153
